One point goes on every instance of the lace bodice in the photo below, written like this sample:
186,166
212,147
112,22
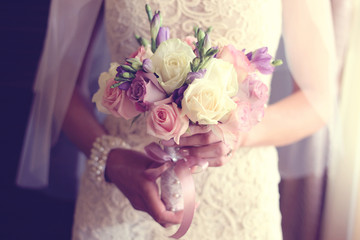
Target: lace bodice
237,201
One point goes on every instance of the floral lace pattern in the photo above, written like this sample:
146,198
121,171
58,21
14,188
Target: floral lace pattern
237,201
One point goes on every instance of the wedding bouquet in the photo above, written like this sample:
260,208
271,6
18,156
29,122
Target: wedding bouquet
179,82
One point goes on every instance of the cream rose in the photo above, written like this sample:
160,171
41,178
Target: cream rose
209,100
171,63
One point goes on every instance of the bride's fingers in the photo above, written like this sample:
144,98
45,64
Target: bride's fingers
196,129
199,139
218,162
156,207
193,130
215,150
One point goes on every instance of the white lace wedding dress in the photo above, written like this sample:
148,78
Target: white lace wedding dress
237,201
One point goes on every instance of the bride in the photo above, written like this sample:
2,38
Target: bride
238,194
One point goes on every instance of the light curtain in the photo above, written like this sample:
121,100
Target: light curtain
342,210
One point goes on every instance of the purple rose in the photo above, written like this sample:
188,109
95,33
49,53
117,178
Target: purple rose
137,90
145,90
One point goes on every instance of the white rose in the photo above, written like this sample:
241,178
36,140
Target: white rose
209,100
171,63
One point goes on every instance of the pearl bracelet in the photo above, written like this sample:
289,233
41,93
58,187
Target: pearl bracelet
99,155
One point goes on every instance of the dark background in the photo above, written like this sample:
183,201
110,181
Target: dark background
24,214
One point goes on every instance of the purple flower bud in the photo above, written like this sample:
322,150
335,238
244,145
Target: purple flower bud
178,95
261,60
125,86
195,75
207,42
163,35
120,71
148,66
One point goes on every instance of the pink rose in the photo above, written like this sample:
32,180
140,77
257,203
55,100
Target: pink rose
259,91
190,40
165,122
238,58
238,122
254,90
242,115
141,53
117,102
257,114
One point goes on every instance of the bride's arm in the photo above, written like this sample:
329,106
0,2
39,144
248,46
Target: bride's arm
285,122
80,125
310,51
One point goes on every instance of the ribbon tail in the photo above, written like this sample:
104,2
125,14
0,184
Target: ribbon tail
188,187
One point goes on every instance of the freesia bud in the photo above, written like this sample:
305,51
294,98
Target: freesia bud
195,75
128,68
127,75
207,42
195,64
155,25
212,51
163,35
277,62
148,66
200,34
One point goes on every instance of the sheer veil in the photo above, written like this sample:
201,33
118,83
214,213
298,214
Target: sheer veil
311,57
69,30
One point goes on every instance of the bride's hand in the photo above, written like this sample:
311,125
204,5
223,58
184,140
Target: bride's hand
202,145
125,168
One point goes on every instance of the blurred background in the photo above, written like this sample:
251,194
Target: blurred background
24,214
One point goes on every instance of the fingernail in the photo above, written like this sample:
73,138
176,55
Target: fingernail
199,168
